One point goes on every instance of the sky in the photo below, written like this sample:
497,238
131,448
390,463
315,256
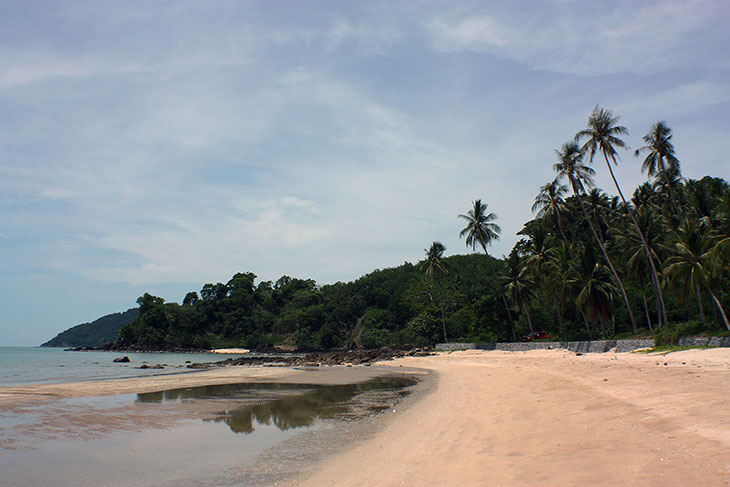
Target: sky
155,146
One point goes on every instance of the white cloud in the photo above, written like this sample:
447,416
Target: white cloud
590,39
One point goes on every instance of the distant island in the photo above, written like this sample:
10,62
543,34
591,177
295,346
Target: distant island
96,333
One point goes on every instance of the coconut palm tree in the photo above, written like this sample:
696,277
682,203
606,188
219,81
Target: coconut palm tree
434,268
481,230
571,166
691,263
550,203
537,261
654,230
602,135
518,284
660,160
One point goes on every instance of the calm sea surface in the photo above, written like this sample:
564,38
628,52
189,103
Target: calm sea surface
243,435
26,365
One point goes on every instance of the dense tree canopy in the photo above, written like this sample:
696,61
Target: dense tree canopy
582,269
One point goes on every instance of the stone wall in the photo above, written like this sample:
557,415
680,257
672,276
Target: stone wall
595,346
704,341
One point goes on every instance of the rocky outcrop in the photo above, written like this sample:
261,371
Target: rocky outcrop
346,357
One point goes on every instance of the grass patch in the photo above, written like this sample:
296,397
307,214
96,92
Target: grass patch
665,349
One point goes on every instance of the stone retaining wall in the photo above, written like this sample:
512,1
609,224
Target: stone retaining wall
704,341
595,346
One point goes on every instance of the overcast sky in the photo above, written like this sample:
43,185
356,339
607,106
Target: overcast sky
156,146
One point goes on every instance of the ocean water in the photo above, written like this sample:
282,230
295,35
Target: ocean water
29,365
244,435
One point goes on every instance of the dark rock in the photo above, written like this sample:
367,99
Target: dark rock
122,359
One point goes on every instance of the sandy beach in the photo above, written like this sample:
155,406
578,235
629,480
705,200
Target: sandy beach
546,418
553,418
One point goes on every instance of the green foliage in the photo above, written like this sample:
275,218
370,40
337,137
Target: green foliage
94,334
670,334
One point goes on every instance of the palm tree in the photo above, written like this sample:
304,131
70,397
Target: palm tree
481,230
434,267
602,136
692,262
654,232
660,160
550,203
571,166
518,284
538,259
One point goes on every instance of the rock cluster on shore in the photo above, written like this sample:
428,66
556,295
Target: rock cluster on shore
346,357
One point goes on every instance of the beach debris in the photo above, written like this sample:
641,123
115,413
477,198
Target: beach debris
121,359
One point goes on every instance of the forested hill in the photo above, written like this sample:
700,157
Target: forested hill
394,306
96,333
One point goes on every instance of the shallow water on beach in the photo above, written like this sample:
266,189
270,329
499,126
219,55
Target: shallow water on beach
27,365
239,434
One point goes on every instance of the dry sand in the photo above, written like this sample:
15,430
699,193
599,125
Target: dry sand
544,418
552,418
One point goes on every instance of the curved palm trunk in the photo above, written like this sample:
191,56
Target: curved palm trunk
441,305
585,321
652,268
719,307
527,313
610,265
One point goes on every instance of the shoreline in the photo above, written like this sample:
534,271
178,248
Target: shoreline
543,417
551,418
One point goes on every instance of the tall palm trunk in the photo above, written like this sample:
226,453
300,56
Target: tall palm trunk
610,264
560,316
652,268
646,309
585,321
719,306
699,301
527,313
565,239
441,305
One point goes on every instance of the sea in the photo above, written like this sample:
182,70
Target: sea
244,435
33,365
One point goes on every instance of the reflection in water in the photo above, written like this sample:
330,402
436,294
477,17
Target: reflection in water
242,406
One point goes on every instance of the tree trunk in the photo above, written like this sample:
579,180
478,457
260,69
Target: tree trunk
610,265
652,268
646,310
719,307
658,304
585,321
560,317
699,301
565,239
441,304
529,320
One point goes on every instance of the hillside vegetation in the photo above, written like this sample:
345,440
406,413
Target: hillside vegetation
589,265
96,333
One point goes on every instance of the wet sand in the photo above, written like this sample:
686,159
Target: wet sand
552,418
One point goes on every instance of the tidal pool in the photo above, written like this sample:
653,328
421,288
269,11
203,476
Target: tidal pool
236,434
